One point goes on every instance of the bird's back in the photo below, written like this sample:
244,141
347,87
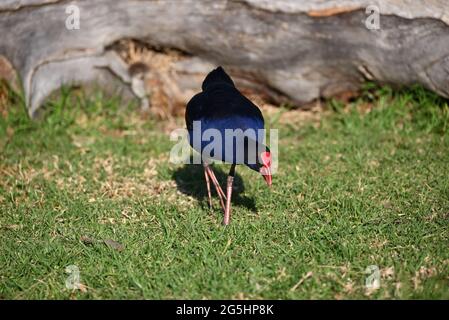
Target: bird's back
220,106
221,103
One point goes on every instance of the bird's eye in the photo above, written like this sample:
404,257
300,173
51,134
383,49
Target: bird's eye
266,158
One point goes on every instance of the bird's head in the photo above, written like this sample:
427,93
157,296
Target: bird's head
263,165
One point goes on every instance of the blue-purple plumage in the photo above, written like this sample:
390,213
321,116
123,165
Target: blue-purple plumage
224,118
221,106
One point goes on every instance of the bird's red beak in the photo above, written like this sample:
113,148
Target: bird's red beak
266,173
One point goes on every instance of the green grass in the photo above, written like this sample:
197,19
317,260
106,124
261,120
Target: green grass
353,189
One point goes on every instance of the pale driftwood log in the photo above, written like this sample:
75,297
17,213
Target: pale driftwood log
301,50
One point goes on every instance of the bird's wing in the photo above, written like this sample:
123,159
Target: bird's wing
223,102
194,110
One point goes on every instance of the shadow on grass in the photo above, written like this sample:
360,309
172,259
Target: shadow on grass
190,180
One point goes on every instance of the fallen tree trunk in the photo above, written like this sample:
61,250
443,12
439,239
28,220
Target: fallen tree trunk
298,50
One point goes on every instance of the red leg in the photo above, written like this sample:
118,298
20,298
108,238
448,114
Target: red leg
215,181
230,181
217,186
206,176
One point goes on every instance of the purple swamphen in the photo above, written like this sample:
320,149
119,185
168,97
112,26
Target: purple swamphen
220,109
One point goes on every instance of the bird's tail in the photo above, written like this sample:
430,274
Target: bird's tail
217,75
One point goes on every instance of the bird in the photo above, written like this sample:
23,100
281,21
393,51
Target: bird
221,109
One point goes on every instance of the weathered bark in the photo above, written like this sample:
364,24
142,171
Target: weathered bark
301,50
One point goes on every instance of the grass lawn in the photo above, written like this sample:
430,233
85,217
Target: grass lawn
360,184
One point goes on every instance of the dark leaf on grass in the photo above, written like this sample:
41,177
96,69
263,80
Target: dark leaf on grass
87,240
114,244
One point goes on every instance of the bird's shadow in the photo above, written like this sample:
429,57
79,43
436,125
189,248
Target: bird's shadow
190,180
